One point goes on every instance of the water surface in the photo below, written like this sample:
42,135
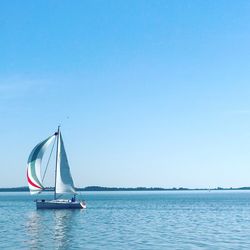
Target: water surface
130,220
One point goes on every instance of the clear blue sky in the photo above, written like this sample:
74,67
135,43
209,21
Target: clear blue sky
148,93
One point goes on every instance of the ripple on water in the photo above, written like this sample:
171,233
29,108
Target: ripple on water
129,220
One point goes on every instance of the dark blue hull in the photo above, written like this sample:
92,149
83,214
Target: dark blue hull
60,204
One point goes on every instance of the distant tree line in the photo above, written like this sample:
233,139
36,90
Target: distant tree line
99,188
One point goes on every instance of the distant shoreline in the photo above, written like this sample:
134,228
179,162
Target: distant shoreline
99,188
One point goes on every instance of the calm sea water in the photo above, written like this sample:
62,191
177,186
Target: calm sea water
130,220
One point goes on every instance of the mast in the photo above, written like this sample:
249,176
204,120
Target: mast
57,145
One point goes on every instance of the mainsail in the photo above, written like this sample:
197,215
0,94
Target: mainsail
34,165
64,181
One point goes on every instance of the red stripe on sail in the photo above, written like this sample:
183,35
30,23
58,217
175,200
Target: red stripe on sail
30,181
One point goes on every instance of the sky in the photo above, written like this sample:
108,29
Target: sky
147,93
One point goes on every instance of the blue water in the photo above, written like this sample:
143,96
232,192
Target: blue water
130,220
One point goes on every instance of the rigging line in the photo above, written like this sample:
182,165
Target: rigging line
48,160
60,196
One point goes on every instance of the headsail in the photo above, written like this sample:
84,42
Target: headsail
34,166
64,181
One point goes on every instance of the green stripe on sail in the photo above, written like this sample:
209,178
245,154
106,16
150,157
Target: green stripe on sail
32,161
36,150
33,173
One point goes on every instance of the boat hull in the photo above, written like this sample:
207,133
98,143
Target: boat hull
60,204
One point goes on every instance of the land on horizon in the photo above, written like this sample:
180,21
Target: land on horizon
99,188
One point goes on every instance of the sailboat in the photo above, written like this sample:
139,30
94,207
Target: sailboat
63,180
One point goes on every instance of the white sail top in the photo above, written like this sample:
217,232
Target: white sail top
64,181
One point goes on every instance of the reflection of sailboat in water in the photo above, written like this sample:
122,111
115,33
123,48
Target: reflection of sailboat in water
34,228
57,234
63,179
64,221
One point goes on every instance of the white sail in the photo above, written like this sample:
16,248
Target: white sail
64,181
34,166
